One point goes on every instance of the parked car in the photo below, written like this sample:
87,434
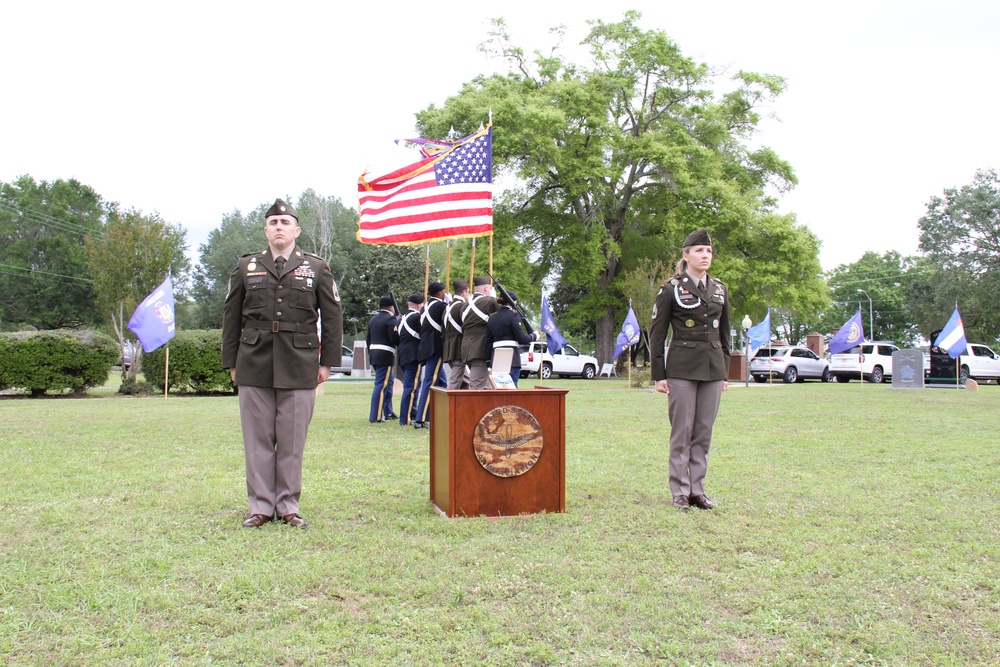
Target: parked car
791,363
346,361
568,361
131,347
872,360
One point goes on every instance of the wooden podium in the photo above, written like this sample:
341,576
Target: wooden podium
498,452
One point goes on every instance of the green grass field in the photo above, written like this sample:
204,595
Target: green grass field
858,525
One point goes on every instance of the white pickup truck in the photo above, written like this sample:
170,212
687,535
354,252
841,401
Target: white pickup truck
535,358
979,363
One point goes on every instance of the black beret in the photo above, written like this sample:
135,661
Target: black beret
699,237
512,294
479,281
460,285
385,302
279,207
415,298
435,287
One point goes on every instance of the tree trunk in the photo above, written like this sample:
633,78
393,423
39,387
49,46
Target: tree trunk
605,336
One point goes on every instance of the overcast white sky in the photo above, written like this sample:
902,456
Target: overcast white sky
193,109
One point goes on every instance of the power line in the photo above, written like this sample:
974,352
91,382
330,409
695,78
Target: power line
46,219
47,273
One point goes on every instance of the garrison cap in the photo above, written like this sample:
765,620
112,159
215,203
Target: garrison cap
385,302
460,285
699,237
435,287
479,281
280,207
415,298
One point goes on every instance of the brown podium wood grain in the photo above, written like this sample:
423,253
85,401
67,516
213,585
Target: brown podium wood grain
461,486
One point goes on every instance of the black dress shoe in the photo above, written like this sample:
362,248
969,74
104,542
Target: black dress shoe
376,421
295,521
702,502
420,425
391,417
257,520
681,503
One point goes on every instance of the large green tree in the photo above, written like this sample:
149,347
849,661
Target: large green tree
128,258
960,239
44,280
234,237
616,161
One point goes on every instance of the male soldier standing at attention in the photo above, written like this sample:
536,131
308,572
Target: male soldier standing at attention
270,345
431,351
453,334
382,339
474,317
408,354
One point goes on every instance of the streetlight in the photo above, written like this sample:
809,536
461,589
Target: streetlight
871,320
747,323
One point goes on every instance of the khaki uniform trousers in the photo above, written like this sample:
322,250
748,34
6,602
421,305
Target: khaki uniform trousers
479,375
693,406
275,423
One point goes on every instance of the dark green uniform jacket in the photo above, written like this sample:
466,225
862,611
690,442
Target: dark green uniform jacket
269,327
699,345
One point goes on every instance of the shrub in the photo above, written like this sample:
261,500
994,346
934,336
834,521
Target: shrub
195,363
640,376
41,361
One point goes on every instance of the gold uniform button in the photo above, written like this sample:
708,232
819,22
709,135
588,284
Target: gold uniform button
278,314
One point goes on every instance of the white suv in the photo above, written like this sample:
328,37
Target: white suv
535,358
873,360
980,363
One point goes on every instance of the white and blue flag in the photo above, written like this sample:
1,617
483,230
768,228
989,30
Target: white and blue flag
952,337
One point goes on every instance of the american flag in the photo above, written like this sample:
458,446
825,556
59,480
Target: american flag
445,196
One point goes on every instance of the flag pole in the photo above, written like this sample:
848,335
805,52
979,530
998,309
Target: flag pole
427,271
491,252
447,266
472,263
166,369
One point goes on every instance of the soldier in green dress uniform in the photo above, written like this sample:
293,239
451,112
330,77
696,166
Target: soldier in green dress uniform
695,306
282,330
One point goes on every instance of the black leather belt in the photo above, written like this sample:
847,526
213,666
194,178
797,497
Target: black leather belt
710,337
279,326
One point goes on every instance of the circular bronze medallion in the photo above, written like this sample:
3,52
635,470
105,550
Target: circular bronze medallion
507,441
689,323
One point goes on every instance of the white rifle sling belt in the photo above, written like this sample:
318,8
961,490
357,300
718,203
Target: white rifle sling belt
406,325
472,307
448,319
426,316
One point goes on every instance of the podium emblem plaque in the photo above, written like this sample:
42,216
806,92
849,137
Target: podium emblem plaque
508,441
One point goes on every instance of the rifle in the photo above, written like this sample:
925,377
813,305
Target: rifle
395,304
524,318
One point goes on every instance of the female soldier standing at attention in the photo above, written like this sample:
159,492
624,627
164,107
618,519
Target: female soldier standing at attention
696,306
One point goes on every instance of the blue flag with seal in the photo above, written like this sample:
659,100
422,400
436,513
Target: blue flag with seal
952,337
759,334
153,320
553,338
629,335
851,334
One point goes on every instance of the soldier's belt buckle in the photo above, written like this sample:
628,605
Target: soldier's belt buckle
274,327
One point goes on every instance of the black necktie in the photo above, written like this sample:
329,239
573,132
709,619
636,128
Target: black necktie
279,263
701,284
